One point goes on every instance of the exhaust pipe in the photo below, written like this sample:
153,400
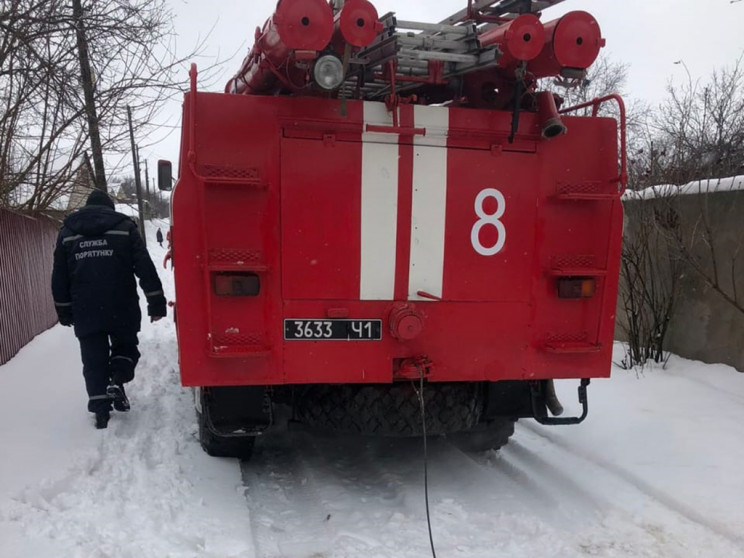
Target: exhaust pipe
551,399
551,124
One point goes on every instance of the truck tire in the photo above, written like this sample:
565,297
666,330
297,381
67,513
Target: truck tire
392,409
224,446
486,436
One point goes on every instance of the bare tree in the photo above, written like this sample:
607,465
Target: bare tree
699,145
37,126
43,126
698,131
650,273
604,77
690,150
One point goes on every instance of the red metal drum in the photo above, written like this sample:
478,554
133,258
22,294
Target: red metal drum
572,41
297,25
357,23
522,39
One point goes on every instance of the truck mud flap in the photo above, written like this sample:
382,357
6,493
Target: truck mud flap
540,393
236,411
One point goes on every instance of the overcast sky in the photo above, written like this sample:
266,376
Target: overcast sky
648,35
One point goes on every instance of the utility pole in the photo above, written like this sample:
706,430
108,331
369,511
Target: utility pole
147,180
86,77
137,182
146,191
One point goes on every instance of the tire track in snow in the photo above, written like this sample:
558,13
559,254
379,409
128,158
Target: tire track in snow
339,477
299,484
515,473
664,499
522,490
370,494
364,496
287,517
469,502
548,476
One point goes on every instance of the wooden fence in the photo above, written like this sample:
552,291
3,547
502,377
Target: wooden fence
26,305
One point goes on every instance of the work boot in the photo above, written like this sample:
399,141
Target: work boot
102,419
118,395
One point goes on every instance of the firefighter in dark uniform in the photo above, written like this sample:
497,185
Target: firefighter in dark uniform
98,254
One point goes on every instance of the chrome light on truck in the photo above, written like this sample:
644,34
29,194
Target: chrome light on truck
328,72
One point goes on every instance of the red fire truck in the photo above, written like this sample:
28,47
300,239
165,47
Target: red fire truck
378,215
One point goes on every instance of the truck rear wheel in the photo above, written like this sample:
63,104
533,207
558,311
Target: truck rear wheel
223,446
230,418
486,436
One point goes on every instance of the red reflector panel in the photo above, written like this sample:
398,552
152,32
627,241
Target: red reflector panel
576,287
236,284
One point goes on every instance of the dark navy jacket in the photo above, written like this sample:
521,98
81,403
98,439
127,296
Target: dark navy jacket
97,256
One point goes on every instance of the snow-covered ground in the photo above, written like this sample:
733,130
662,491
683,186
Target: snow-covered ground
655,471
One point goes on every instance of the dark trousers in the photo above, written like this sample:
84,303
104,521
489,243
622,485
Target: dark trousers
107,358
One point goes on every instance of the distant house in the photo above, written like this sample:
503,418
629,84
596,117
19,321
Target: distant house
83,183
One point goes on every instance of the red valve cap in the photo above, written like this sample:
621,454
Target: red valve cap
405,323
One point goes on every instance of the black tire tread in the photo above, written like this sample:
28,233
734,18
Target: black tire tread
486,436
392,409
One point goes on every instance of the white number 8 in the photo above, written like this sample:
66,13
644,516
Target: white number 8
486,219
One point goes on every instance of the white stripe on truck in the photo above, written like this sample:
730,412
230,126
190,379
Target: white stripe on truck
429,205
379,218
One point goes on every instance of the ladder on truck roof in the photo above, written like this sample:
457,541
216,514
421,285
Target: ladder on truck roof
508,9
432,53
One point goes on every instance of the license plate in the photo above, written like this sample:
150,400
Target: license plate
332,330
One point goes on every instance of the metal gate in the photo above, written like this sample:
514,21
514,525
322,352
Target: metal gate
26,305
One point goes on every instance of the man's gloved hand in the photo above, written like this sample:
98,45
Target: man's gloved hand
156,307
65,316
156,311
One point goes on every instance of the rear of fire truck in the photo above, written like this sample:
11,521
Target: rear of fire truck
381,214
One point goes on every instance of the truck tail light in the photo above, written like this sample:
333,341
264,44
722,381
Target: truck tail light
236,284
576,287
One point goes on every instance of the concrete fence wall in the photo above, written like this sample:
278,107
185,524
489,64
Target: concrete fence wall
26,305
704,325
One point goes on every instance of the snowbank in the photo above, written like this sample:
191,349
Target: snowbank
695,187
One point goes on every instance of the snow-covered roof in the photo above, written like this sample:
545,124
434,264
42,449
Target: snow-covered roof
707,186
129,210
